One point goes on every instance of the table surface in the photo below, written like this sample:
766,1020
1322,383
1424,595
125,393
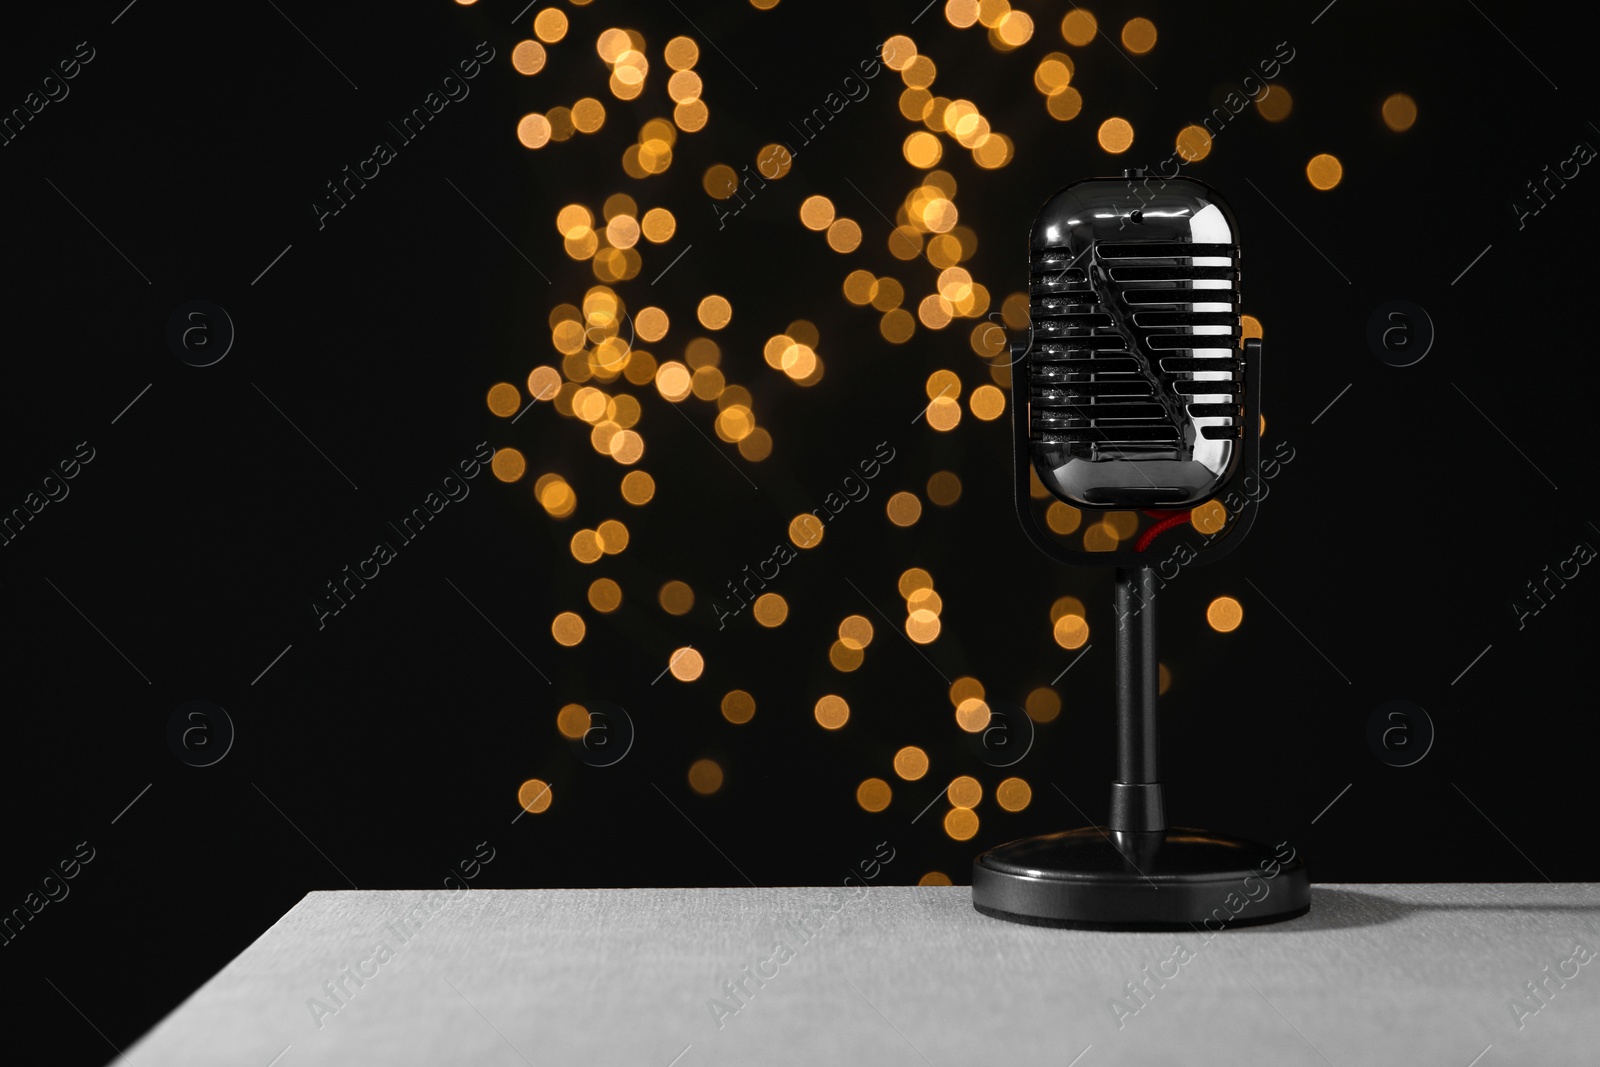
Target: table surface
1374,974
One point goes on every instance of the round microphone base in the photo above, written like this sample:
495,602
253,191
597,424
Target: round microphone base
1174,879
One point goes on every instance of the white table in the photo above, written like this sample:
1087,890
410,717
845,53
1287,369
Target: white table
1375,974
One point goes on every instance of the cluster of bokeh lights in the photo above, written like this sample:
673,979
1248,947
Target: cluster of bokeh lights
603,372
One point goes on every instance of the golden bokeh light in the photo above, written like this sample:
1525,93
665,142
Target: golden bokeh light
1053,73
1163,679
1209,517
897,326
905,242
937,877
658,225
961,13
735,423
944,488
685,87
1043,704
873,794
964,792
1065,105
1224,614
544,383
912,580
855,631
605,595
973,715
859,288
774,161
652,324
1324,171
961,824
738,707
944,413
1013,794
924,600
611,44
555,495
1123,523
528,57
887,293
805,530
675,597
1078,27
1061,517
934,312
1194,143
919,73
1014,28
770,610
1399,112
939,215
922,149
626,447
898,52
573,721
757,446
816,212
686,664
1100,537
533,130
572,220
1115,135
1139,35
692,116
568,628
681,53
844,235
798,361
965,688
923,626
987,403
720,181
904,509
911,763
831,712
714,312
1071,632
588,114
508,464
561,128
673,380
612,535
550,25
504,399
1275,104
705,776
1066,605
585,545
845,658
534,795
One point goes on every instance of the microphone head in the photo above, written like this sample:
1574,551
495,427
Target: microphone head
1133,403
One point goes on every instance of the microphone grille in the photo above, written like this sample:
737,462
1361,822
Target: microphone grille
1134,372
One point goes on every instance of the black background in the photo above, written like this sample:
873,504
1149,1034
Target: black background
191,547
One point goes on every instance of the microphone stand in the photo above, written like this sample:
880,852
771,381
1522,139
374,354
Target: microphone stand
1136,801
1136,872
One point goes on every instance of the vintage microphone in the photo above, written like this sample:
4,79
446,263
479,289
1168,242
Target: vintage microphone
1133,405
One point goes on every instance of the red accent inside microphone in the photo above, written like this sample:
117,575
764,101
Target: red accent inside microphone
1173,518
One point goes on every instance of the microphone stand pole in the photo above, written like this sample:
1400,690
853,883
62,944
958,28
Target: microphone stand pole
1136,801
